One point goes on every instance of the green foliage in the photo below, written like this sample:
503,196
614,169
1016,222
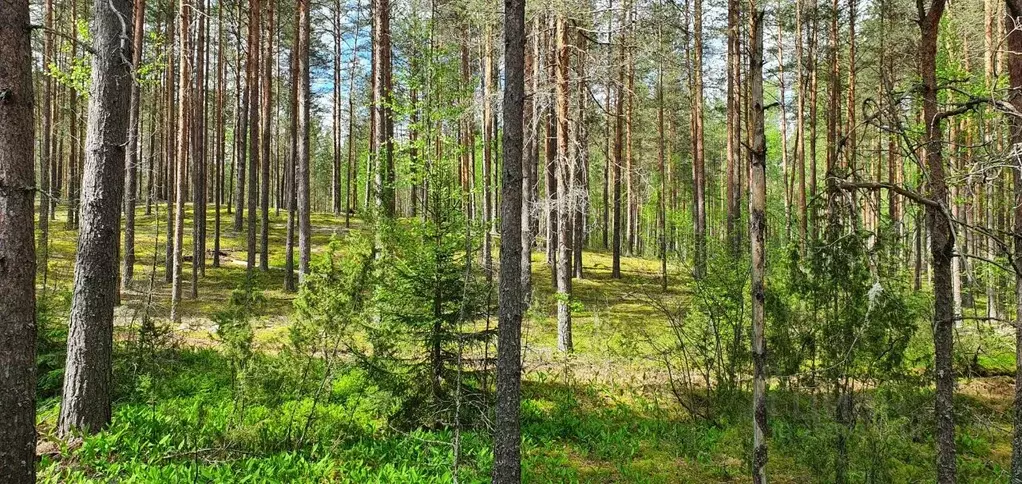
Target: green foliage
715,328
849,316
51,343
187,428
234,327
399,309
336,291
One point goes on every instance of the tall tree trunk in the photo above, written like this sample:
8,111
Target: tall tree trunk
57,148
155,150
303,194
383,128
608,149
551,157
45,158
85,404
733,127
197,148
814,81
170,145
989,12
661,166
580,173
221,82
1014,65
564,339
618,135
291,168
17,271
698,154
530,155
180,176
851,150
266,137
487,155
800,133
241,128
352,171
74,177
782,100
507,464
335,175
254,132
757,224
533,167
941,245
630,189
834,91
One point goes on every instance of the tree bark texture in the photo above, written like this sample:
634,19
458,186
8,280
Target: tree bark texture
17,249
507,466
85,404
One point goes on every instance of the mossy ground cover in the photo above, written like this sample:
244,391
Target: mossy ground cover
604,414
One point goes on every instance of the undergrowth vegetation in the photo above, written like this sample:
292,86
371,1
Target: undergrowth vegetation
382,374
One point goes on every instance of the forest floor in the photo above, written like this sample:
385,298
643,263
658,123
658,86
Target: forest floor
604,414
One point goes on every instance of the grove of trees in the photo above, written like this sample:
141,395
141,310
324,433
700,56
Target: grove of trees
831,193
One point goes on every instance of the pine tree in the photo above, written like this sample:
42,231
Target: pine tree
17,250
507,466
85,403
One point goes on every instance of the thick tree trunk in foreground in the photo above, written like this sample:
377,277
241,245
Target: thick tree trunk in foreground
757,225
17,250
941,247
85,405
507,463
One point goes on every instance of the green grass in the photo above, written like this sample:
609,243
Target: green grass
214,288
604,414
